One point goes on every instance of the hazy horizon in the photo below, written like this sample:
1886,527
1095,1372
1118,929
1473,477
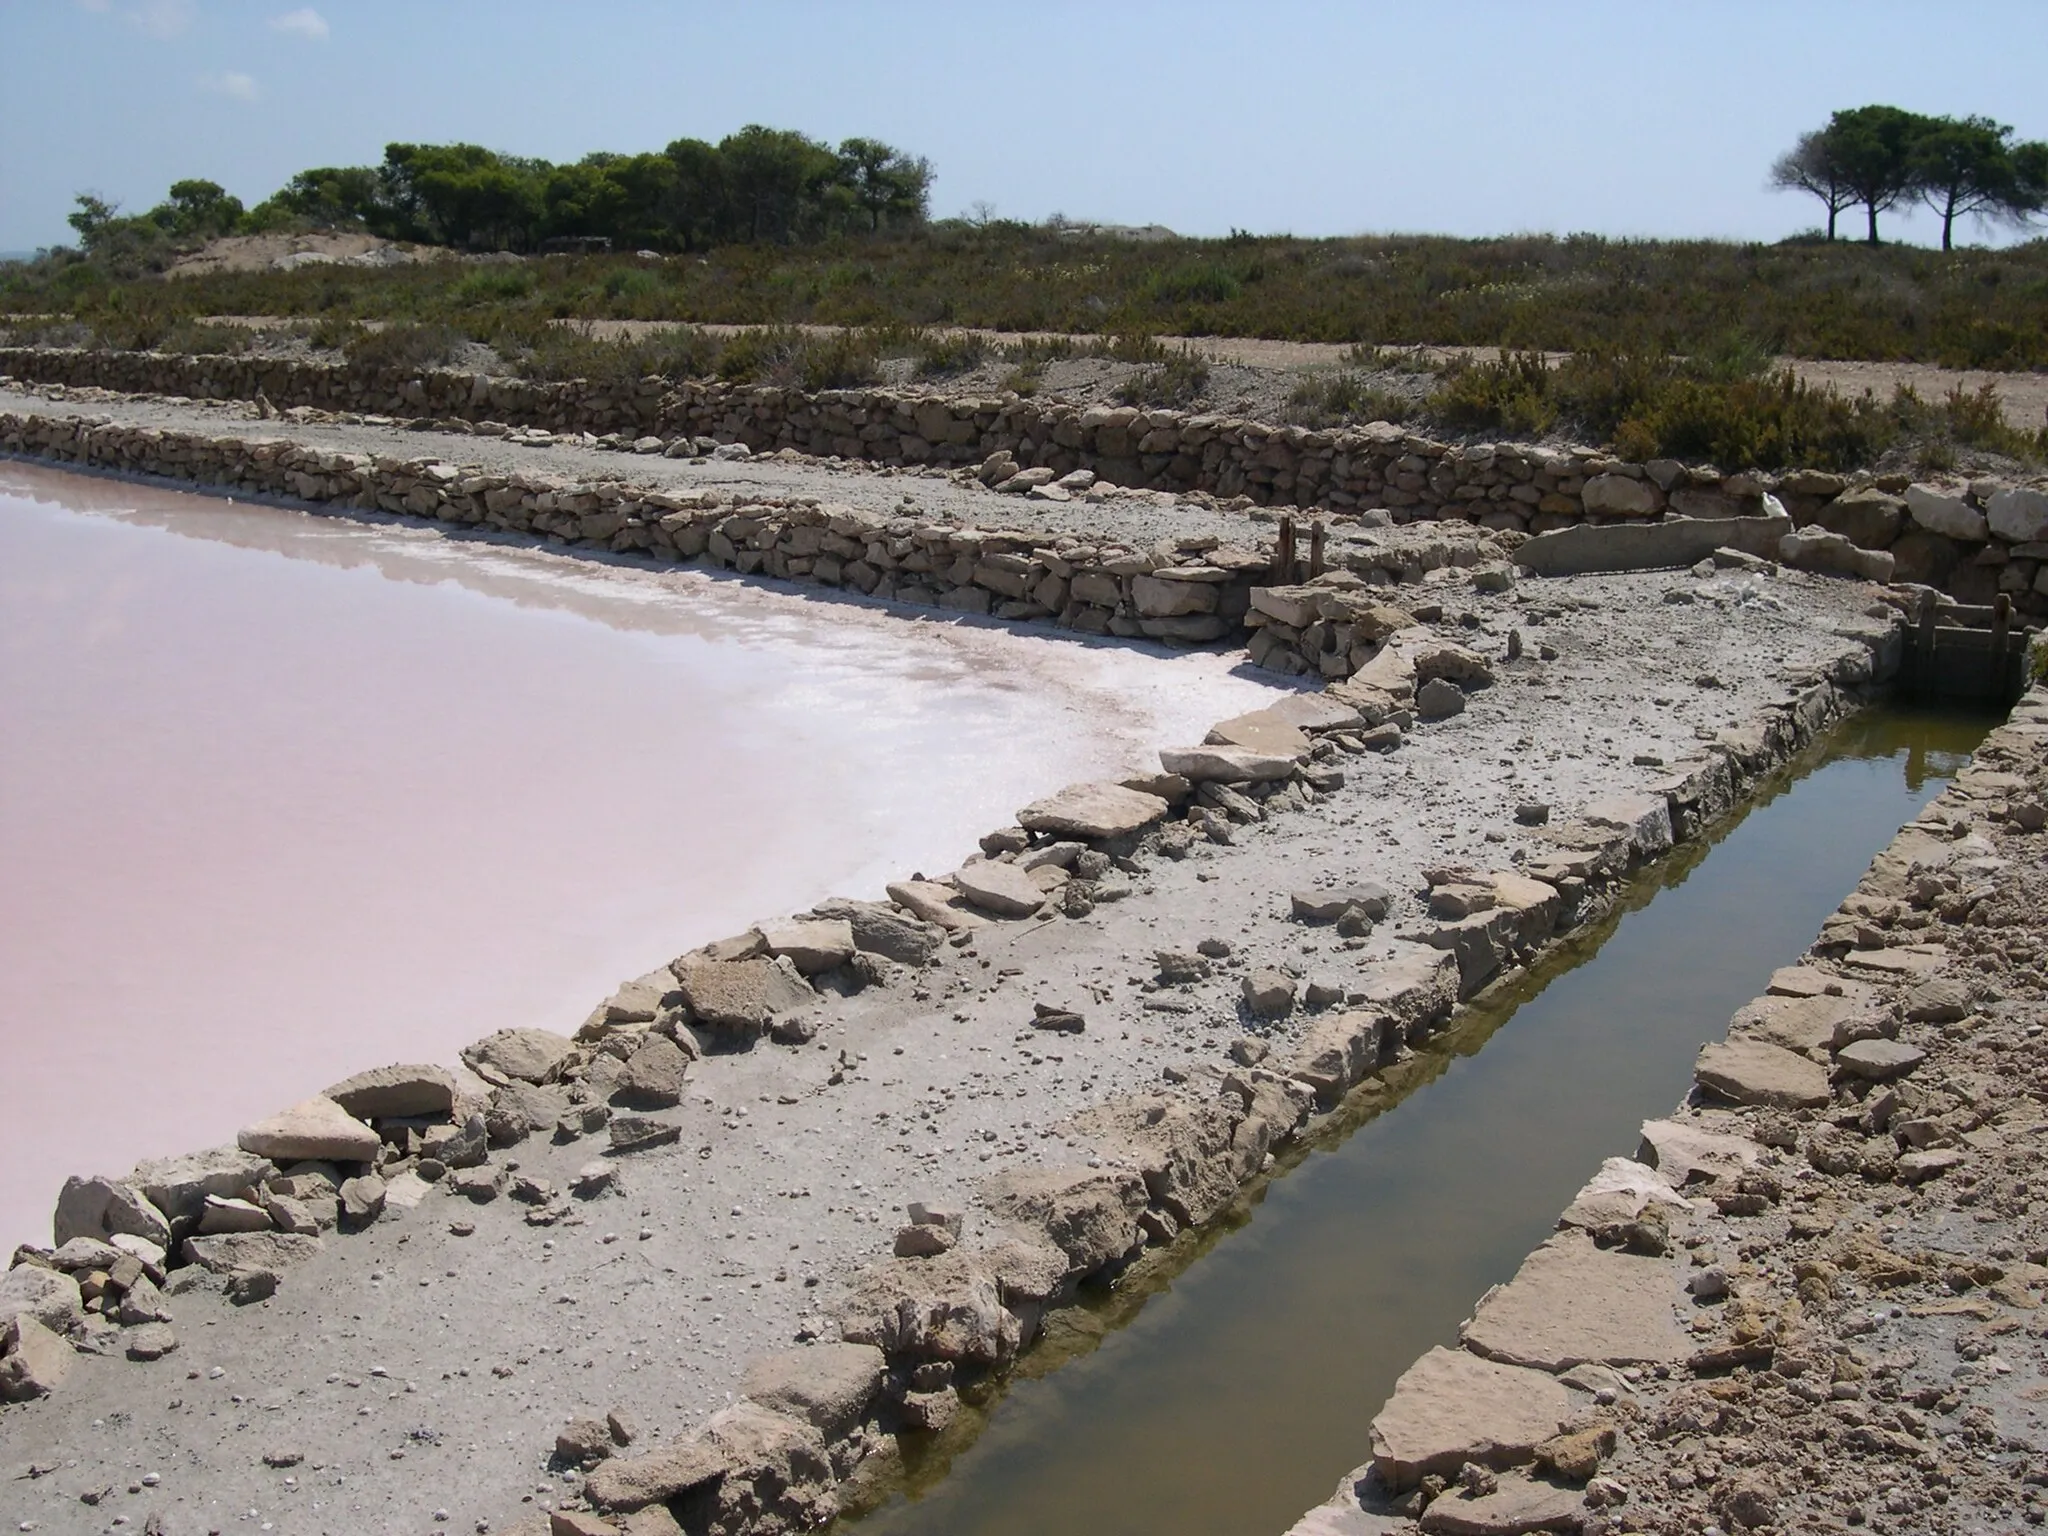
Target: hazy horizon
1319,119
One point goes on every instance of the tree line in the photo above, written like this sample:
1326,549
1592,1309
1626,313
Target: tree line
759,184
1878,157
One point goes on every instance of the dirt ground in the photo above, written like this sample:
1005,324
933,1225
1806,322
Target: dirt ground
425,1364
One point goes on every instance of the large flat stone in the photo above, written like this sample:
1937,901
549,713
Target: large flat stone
1094,811
52,1299
396,1091
1516,1506
1648,546
1879,1060
1911,964
828,1386
1226,765
1681,1150
1003,889
317,1130
36,1362
940,905
1753,1072
1262,730
625,1485
230,1251
741,994
1451,1407
1796,1023
814,945
518,1055
1572,1302
1314,712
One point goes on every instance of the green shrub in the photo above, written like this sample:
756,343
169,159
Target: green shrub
1327,399
1179,381
405,346
494,284
942,356
625,284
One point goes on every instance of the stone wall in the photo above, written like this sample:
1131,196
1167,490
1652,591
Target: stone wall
1973,540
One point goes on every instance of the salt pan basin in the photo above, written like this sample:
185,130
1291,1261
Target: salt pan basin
284,796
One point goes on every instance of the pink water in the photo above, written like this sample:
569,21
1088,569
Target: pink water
283,796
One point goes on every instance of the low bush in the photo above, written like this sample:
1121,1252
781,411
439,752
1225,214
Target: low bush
405,345
1180,381
1333,398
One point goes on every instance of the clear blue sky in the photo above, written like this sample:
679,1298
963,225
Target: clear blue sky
1650,117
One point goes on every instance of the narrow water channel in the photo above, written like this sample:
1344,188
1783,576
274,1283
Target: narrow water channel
1227,1398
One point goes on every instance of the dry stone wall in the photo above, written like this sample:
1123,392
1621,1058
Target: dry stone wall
1974,540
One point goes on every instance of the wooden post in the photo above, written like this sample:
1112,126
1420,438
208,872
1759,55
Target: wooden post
1283,554
1315,549
2001,638
1923,672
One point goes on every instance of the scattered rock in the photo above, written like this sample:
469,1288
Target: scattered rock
396,1091
655,1075
35,1359
638,1133
742,995
828,1386
1320,906
51,1298
1879,1060
1269,994
1096,812
1003,889
811,946
518,1055
1450,1407
1572,1302
1752,1072
150,1341
1226,765
362,1200
316,1130
100,1207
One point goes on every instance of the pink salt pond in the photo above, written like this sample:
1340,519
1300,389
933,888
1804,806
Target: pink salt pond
284,796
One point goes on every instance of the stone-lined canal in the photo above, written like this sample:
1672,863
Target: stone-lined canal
1229,1395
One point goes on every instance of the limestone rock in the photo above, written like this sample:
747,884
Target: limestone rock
1816,549
741,995
2019,513
52,1299
1003,889
640,1133
1269,994
1262,730
519,1109
1516,1505
778,1476
1089,1214
1620,1192
317,1130
1645,818
828,1386
1186,1153
944,1308
226,1215
1323,906
1879,1060
1682,1150
99,1208
1415,988
654,1076
362,1199
518,1055
811,946
275,1251
1620,496
1439,699
1869,518
1572,1302
1094,811
1753,1072
178,1186
396,1091
1337,1052
881,930
149,1341
1314,712
940,905
624,1485
1796,1023
1946,513
1226,765
36,1360
1451,1407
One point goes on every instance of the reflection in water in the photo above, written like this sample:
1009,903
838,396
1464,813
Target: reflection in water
284,796
1231,1388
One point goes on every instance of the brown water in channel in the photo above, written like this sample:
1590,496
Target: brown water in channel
284,796
1227,1391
